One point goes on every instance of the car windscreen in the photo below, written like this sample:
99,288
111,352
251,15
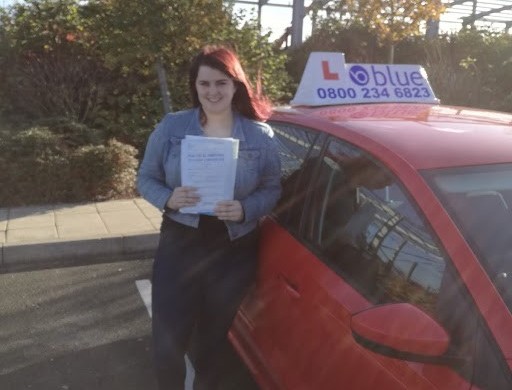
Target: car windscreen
479,200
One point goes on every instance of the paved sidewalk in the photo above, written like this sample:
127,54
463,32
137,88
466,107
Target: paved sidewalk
70,234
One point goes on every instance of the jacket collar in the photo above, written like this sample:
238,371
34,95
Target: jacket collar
195,127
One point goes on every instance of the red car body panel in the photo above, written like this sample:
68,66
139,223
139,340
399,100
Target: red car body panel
407,138
334,302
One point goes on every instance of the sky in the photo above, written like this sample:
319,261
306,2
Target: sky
276,19
6,3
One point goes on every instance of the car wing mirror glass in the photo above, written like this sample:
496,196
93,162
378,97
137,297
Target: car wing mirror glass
400,330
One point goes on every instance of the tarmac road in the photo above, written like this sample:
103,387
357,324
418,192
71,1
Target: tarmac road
81,328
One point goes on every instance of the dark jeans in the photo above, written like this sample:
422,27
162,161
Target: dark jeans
199,280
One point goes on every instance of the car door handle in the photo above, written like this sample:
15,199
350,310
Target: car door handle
291,288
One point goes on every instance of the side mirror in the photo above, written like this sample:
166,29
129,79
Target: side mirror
400,330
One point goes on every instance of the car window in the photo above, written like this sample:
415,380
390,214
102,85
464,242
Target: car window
366,228
479,199
363,225
298,149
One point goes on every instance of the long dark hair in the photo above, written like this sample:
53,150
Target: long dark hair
246,101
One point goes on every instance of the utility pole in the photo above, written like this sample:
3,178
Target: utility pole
297,22
261,3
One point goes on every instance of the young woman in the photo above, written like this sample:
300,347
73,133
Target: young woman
204,264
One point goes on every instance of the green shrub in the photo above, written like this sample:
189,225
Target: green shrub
103,172
42,166
73,133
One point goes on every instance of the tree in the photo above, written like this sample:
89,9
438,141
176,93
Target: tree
145,32
472,68
391,20
48,63
264,64
95,61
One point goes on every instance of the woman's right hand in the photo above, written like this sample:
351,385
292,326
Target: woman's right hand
183,197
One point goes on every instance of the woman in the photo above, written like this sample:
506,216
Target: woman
204,264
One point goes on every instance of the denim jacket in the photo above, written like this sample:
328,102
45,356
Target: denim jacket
257,184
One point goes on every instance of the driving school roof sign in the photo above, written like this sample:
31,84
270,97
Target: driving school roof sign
328,80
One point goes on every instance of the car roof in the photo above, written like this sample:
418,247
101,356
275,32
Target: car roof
424,135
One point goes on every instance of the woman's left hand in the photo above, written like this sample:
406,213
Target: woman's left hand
229,210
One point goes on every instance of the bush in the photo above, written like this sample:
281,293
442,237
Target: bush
104,171
43,166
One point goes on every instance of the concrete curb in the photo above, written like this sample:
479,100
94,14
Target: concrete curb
36,255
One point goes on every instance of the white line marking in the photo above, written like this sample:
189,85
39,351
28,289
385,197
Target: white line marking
144,287
191,373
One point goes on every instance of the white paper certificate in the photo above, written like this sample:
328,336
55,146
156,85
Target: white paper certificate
209,164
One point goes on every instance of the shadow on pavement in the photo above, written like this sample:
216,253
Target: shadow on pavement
122,365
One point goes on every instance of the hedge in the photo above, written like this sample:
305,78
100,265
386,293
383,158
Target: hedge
42,165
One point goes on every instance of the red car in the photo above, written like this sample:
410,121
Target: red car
387,263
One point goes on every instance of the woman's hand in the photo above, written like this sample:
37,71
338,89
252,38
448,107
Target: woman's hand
183,197
229,210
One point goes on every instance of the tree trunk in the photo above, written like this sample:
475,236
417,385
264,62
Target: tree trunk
391,59
162,79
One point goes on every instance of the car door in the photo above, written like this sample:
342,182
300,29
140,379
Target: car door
294,315
308,310
364,228
311,282
300,325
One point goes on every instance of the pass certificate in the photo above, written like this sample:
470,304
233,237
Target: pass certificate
209,164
